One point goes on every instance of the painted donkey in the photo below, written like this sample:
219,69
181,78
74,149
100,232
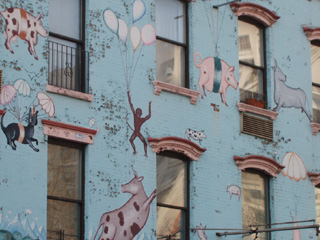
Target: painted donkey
18,132
126,222
24,25
287,97
215,76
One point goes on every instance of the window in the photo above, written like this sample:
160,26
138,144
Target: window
172,42
172,196
65,200
315,67
318,207
251,62
67,58
255,202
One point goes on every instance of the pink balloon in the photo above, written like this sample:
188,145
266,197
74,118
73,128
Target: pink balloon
148,34
8,93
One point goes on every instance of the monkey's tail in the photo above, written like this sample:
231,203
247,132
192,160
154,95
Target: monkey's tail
2,126
128,123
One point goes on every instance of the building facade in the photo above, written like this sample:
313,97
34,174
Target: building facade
159,119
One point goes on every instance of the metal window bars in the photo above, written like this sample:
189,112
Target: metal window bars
68,67
61,235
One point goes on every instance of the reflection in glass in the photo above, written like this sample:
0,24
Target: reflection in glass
254,195
171,181
170,20
318,207
251,83
170,63
316,103
63,217
251,44
170,224
315,64
64,172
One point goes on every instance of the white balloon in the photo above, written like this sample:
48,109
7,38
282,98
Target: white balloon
111,20
123,30
148,34
135,37
139,9
23,87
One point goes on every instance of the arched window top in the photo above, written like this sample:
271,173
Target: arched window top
256,12
314,178
313,34
176,144
264,164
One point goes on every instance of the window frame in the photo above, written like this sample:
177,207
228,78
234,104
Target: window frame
186,209
81,46
317,85
184,45
267,197
259,25
81,147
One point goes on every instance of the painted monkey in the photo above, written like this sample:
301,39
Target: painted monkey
138,121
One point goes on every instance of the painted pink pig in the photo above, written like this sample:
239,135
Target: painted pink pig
215,76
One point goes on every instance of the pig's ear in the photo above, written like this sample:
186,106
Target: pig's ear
39,17
140,179
231,69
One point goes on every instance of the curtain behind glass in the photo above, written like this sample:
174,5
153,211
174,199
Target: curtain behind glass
64,17
170,20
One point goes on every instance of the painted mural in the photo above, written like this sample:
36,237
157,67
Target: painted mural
195,135
215,76
22,24
130,58
201,232
294,167
234,190
126,222
20,226
288,97
14,99
138,121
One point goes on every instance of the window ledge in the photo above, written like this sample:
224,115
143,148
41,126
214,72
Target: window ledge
69,93
69,132
255,11
256,110
312,33
315,128
176,144
314,178
267,165
160,86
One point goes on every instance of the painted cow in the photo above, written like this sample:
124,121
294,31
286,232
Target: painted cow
201,232
126,222
24,25
196,135
234,190
287,97
215,76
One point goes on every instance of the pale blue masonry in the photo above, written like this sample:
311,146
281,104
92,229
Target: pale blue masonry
118,63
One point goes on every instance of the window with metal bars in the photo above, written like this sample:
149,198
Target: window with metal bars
315,71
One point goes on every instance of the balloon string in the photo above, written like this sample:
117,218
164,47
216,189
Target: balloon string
125,72
209,22
130,74
136,63
26,112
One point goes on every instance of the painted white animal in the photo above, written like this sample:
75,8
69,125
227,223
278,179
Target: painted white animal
126,222
196,135
201,232
234,190
24,25
287,97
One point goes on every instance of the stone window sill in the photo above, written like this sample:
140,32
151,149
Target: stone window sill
258,111
69,93
315,128
160,86
68,132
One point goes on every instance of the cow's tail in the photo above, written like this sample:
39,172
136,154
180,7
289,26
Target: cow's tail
309,113
197,59
100,224
2,126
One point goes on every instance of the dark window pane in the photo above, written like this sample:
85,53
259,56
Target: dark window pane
63,218
170,63
171,20
251,83
171,222
171,181
254,195
315,64
251,44
64,171
64,18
